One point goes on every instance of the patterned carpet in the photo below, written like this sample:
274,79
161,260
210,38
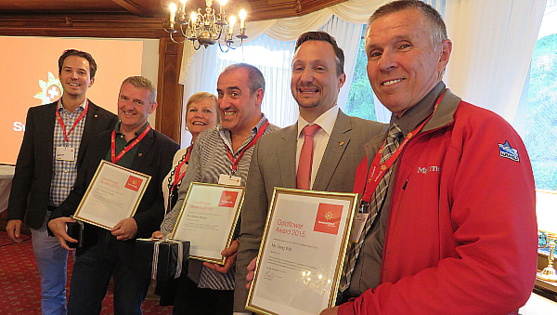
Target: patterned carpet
20,283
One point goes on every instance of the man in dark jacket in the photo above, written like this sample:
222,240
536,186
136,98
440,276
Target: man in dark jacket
55,138
132,144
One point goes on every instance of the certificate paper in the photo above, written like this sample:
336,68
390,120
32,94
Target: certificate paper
113,195
208,219
302,252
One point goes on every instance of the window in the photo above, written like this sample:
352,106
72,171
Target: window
360,99
540,126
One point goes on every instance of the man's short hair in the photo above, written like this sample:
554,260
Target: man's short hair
438,29
255,77
324,37
142,82
74,52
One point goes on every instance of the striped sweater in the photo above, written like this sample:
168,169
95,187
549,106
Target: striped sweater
207,162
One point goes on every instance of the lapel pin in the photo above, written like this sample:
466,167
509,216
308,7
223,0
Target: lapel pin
341,143
96,115
139,154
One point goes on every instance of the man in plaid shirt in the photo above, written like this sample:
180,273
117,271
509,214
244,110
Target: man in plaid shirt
52,148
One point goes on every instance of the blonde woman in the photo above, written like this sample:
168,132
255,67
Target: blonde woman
202,113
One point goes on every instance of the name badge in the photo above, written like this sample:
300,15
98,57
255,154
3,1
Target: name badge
358,227
230,180
65,154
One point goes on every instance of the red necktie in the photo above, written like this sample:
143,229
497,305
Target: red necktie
303,176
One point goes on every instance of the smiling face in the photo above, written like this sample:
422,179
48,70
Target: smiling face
240,109
134,107
201,116
315,82
75,76
403,63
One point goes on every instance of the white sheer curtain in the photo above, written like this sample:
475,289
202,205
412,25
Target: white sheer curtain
271,56
348,36
493,43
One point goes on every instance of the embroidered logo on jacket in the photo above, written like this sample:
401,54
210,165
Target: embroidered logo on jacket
428,169
506,151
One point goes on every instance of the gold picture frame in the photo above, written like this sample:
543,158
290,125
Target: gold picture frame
302,252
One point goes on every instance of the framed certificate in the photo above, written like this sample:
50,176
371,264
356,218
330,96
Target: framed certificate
208,219
113,195
302,252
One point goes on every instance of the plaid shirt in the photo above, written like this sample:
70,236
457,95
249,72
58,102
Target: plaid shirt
65,172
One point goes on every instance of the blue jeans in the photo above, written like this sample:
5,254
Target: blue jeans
51,261
93,268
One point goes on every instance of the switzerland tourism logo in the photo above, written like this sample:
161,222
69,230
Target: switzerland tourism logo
133,183
328,218
51,90
228,199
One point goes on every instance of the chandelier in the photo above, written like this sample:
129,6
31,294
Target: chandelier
204,27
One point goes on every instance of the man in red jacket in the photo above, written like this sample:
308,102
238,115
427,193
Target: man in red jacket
455,229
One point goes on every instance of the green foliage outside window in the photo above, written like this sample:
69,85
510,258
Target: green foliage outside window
360,98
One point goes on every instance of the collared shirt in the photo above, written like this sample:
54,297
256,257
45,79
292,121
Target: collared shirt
367,272
121,143
419,112
208,161
65,172
320,140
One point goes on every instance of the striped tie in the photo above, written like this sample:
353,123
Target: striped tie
377,199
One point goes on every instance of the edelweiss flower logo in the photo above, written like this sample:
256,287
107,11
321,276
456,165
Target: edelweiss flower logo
329,216
51,90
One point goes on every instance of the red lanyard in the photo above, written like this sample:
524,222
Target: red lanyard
178,175
115,158
235,161
61,122
377,170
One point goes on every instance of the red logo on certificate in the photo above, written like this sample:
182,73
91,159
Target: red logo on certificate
228,199
133,183
328,218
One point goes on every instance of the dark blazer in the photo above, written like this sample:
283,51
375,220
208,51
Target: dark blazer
273,164
34,168
153,157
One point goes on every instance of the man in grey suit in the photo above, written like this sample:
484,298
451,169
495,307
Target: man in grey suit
53,146
317,76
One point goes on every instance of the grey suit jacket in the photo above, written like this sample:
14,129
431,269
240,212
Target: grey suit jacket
30,192
273,165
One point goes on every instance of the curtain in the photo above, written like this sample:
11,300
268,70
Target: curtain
493,43
348,37
271,56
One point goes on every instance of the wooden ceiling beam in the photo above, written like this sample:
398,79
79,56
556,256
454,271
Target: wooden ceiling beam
132,7
143,8
106,26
